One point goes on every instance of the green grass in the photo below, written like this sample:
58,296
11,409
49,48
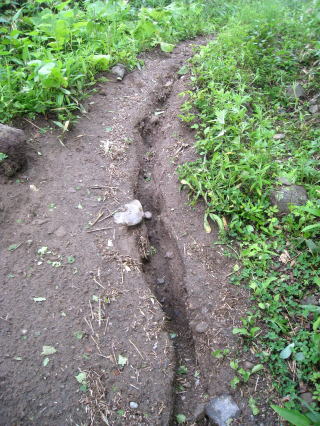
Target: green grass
50,52
238,104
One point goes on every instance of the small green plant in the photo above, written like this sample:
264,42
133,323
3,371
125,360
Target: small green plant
182,370
220,353
243,375
2,156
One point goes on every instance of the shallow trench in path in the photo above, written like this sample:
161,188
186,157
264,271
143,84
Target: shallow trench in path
163,268
156,297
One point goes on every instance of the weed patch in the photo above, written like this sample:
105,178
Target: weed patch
51,51
254,132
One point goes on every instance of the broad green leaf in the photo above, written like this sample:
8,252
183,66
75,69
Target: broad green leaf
299,356
257,368
14,247
292,416
166,47
181,418
287,351
221,115
316,324
253,406
79,335
81,378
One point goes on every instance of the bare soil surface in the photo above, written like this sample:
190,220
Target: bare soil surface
138,310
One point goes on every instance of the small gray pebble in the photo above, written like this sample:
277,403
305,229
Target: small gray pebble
160,281
202,327
147,215
133,405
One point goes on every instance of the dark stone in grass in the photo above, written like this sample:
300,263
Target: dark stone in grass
12,143
221,410
119,71
295,91
285,196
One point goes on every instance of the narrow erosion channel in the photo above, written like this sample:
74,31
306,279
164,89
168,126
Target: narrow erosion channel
164,269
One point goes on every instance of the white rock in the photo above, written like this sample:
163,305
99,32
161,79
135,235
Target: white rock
133,405
221,410
132,214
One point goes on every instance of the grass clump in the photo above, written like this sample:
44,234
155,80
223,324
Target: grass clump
51,51
240,104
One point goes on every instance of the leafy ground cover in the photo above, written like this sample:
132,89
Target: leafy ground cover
239,106
51,51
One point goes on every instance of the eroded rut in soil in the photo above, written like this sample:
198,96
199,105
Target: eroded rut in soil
164,268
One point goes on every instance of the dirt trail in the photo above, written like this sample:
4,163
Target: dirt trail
154,298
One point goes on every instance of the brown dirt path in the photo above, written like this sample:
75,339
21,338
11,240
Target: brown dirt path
102,298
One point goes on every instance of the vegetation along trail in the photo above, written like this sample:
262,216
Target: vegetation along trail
206,311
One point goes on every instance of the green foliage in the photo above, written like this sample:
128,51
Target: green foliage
2,156
239,104
51,51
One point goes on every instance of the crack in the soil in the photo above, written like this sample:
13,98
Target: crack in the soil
164,269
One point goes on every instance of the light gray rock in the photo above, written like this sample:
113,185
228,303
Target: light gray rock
147,215
160,281
202,327
131,215
279,136
60,232
314,109
11,135
168,255
119,71
199,412
221,410
285,196
295,91
285,181
133,405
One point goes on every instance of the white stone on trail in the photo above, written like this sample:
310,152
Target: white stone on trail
147,215
131,215
202,327
133,405
221,410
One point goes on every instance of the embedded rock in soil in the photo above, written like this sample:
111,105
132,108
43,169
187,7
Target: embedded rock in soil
199,412
132,214
279,136
307,397
119,71
133,405
284,181
288,195
314,109
12,144
202,327
221,410
295,91
60,232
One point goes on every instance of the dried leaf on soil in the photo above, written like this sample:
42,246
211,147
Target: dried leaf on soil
48,350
